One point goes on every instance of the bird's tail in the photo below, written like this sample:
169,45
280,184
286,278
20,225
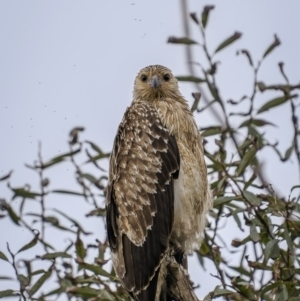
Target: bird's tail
149,293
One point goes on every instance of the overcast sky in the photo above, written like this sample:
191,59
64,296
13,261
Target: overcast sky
72,63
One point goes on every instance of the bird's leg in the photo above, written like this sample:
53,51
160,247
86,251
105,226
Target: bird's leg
179,254
181,258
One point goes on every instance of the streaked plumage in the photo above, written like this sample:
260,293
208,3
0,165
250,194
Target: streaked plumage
158,193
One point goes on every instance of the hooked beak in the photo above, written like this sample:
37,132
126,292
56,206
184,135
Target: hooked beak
155,83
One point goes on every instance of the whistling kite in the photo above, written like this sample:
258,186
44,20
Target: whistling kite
158,194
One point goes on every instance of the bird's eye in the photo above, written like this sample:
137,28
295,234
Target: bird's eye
166,77
143,78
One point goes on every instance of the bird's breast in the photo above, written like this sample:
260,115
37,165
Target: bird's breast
190,198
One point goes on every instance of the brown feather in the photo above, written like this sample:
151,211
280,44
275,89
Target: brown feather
144,159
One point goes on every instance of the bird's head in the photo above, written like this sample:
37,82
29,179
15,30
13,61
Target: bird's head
155,82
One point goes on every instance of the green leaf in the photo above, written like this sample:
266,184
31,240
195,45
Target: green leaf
246,160
192,79
204,249
6,278
3,256
224,199
40,282
197,97
252,132
241,270
23,280
14,217
94,268
95,147
27,264
54,161
194,18
55,255
211,131
98,149
288,239
86,292
218,164
38,272
7,293
24,193
218,292
6,176
229,41
213,89
60,158
272,46
94,159
252,198
289,152
275,102
247,142
97,212
283,294
205,14
67,192
256,122
106,296
184,40
221,183
55,223
74,134
31,244
52,220
45,244
236,217
244,241
250,181
259,265
295,187
244,288
269,248
247,54
80,249
22,205
57,291
261,86
73,221
269,287
254,234
89,177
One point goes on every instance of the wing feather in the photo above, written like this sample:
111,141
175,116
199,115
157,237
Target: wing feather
140,198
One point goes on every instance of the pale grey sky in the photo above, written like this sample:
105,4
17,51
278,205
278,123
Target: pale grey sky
72,63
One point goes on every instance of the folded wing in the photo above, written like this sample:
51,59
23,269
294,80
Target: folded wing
140,198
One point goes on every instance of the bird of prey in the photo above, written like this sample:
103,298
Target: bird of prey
158,194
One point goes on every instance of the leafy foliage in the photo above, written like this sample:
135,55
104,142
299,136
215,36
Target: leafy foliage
269,263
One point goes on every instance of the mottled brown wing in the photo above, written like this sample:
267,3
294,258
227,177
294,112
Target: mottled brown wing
140,199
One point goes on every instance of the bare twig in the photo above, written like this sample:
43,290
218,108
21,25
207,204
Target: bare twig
189,58
22,289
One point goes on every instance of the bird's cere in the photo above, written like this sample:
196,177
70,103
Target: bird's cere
155,83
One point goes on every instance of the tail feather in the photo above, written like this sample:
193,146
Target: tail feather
149,293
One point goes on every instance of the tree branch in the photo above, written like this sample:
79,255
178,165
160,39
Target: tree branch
179,285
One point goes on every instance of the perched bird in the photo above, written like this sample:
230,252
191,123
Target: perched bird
158,193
